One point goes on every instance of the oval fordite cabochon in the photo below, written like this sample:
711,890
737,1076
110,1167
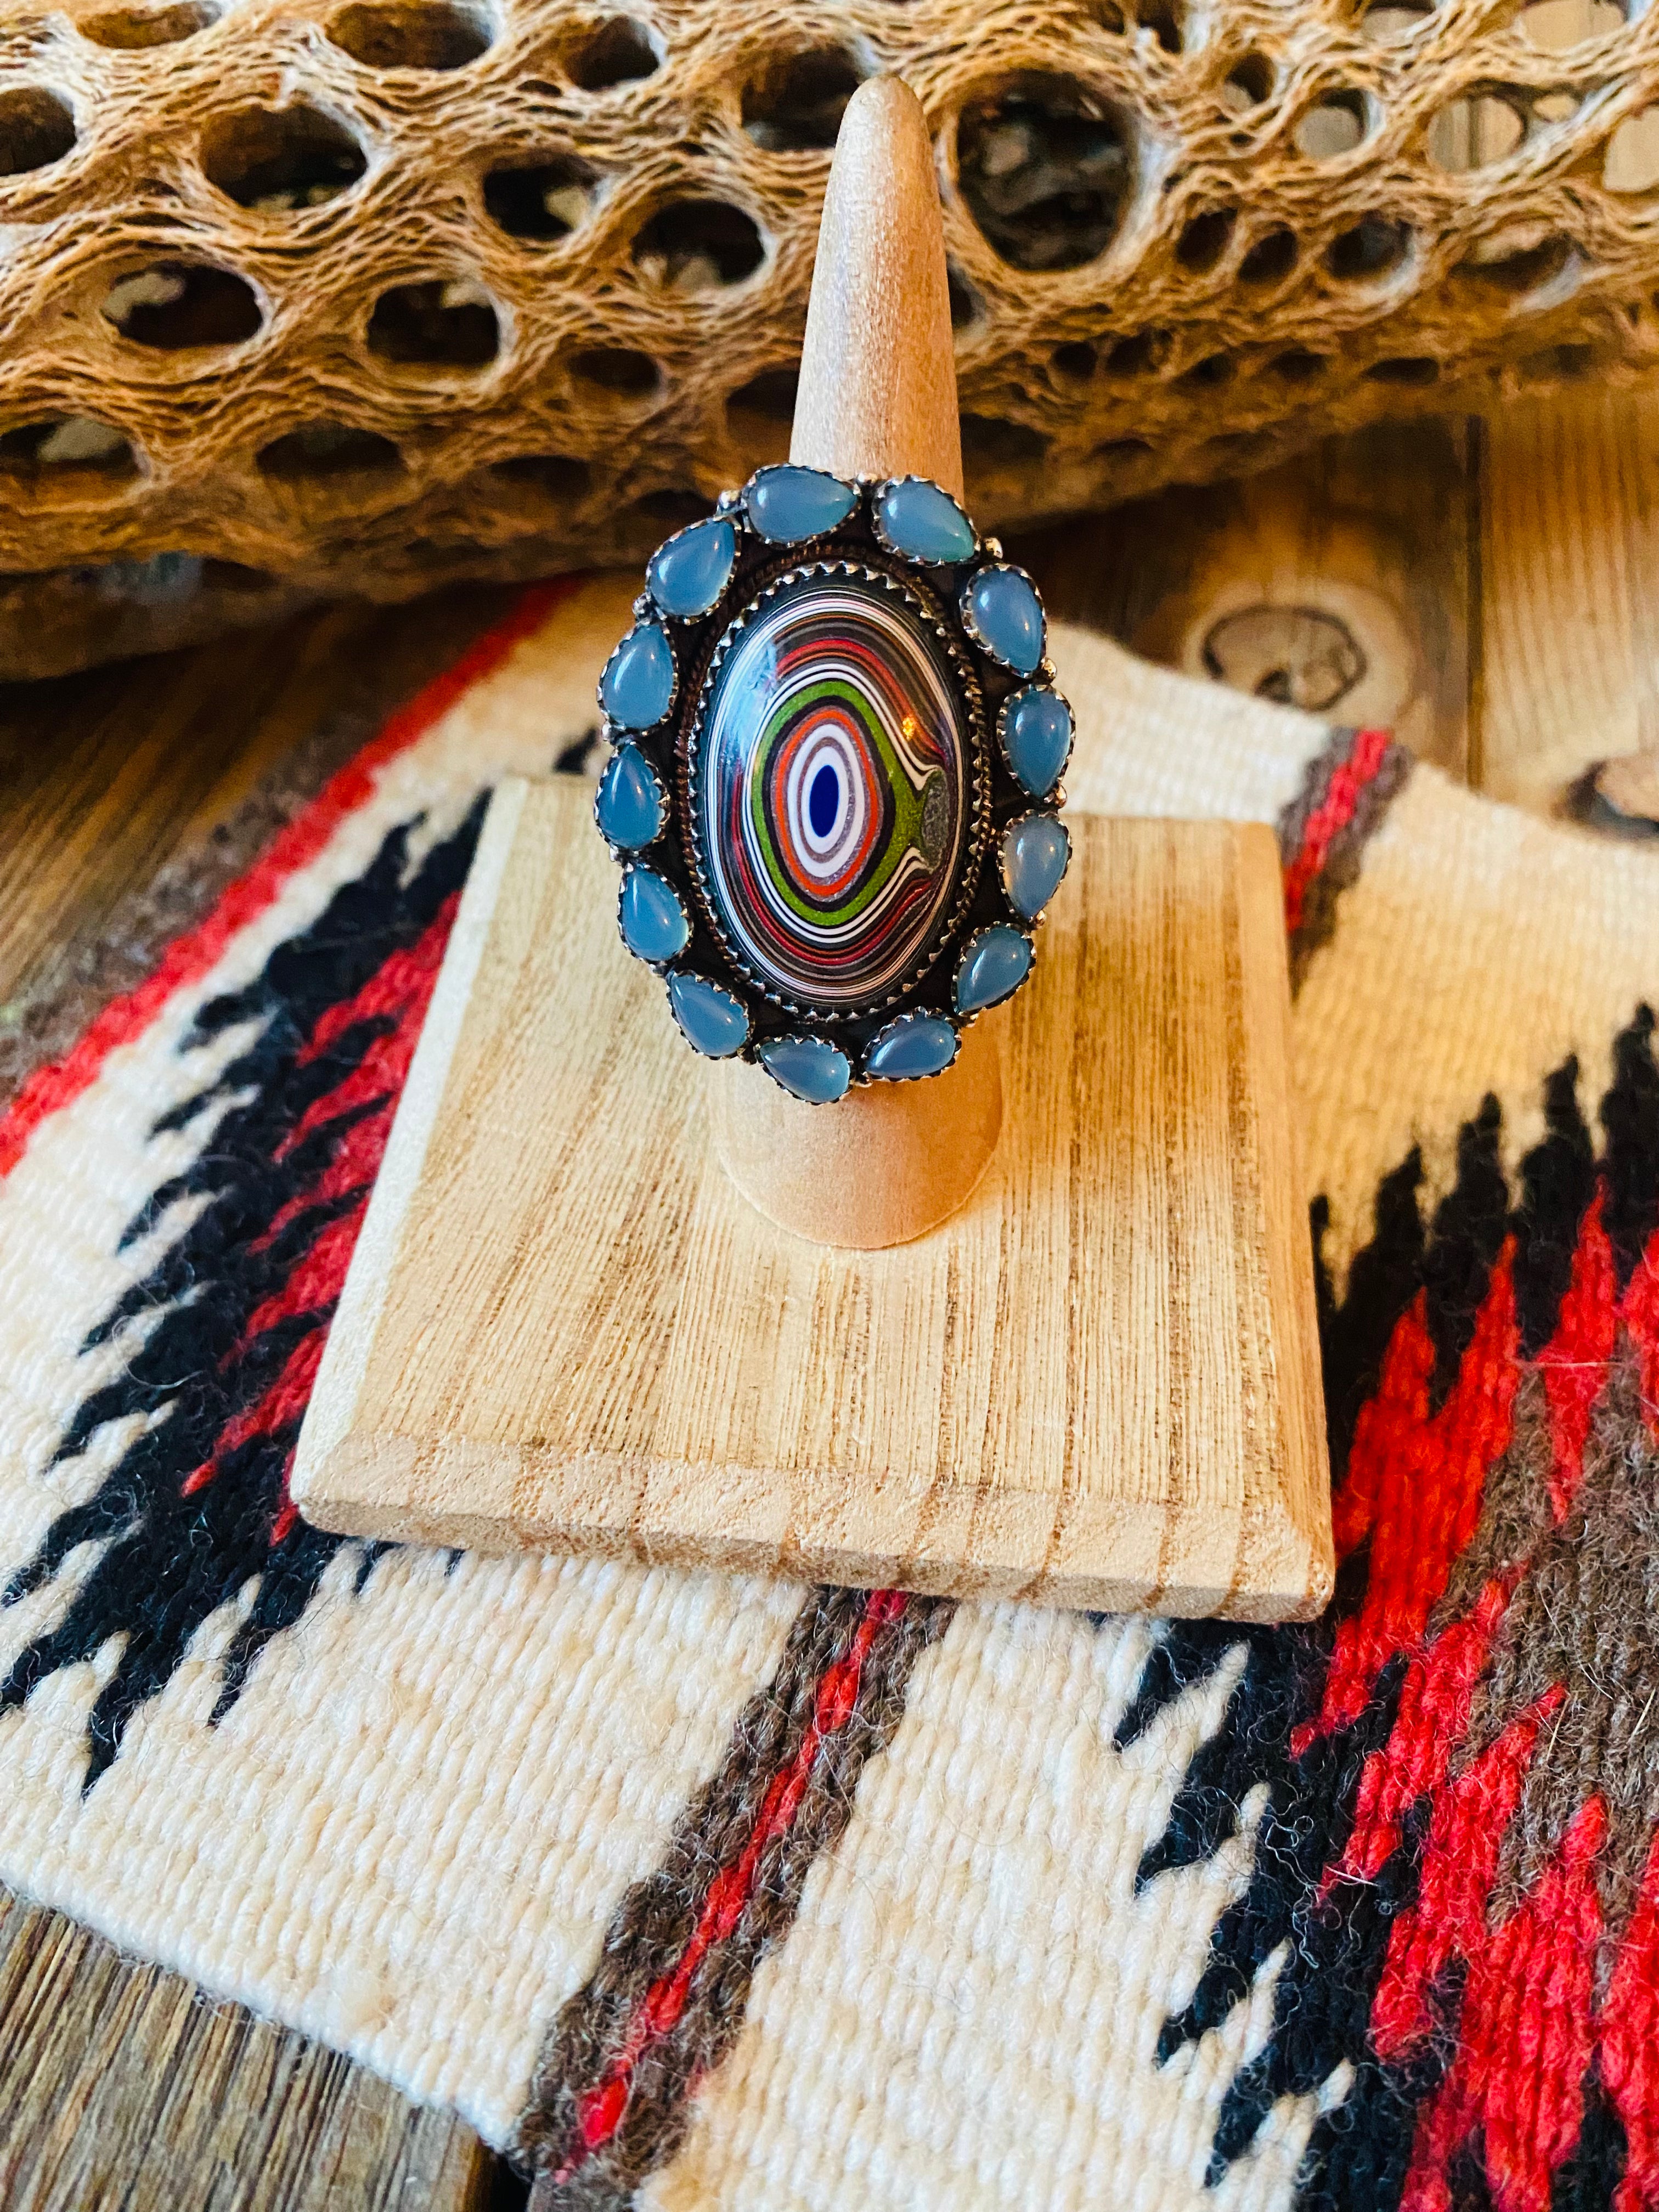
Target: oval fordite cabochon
816,792
832,786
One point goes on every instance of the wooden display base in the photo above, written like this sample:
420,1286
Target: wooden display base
1096,1385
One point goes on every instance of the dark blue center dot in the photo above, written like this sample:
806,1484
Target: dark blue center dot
824,801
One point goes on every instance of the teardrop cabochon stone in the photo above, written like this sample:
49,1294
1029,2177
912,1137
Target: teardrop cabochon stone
997,962
1035,731
787,503
912,1046
1035,851
637,688
1002,613
653,922
688,571
808,1067
712,1021
631,804
915,518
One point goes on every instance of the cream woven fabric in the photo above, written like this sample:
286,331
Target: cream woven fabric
712,1891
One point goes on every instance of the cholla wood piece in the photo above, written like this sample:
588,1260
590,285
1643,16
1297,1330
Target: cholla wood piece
1096,1385
360,295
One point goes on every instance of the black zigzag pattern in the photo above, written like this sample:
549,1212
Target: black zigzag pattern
170,1559
1336,1944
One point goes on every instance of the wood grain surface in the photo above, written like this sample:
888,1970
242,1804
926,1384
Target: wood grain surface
1339,582
118,2085
877,388
1569,560
1097,1384
1489,591
120,787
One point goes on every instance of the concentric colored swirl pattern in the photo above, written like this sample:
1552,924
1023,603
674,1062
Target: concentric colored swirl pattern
833,789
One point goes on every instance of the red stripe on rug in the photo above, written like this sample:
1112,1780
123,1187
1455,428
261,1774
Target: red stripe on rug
1416,1477
402,990
1330,817
600,2113
190,957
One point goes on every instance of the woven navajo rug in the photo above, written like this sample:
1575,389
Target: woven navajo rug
694,1891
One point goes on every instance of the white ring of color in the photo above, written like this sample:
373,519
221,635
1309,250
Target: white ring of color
825,857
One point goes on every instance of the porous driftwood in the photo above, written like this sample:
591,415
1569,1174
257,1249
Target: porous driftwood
357,294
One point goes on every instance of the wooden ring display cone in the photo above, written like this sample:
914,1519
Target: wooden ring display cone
876,398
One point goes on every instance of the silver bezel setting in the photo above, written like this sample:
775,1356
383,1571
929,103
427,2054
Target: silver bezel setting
915,560
1030,922
1017,925
631,862
954,1023
1027,677
658,612
626,853
807,1036
654,620
854,484
669,970
1054,796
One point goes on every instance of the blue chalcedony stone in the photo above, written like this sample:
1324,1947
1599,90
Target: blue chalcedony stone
920,1044
924,522
998,962
1035,852
814,1070
788,502
713,1020
689,573
1036,736
630,805
1006,614
637,687
653,923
